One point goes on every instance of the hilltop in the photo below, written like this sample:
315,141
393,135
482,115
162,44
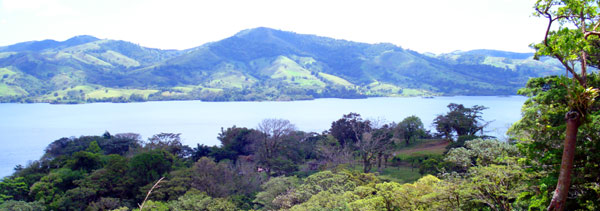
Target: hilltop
254,64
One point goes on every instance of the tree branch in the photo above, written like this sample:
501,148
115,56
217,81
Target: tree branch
558,56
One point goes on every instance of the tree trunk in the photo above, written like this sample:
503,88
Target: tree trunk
379,156
559,199
366,164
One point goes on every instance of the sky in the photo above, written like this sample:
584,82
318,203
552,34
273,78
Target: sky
436,26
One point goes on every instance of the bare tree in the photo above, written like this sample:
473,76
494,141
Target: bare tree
271,140
335,154
372,145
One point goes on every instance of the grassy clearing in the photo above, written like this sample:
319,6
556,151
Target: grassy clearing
185,88
230,79
405,173
414,92
6,90
89,59
288,70
424,145
7,72
120,59
336,80
400,174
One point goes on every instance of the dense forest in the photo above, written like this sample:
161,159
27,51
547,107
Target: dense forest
357,164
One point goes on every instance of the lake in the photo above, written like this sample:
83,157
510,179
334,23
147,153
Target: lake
28,128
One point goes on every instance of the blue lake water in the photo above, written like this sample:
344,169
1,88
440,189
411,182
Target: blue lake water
26,129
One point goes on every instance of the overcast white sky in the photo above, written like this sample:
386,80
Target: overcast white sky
437,26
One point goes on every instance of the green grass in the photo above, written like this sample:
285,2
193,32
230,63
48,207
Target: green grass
6,74
89,59
120,59
185,89
230,79
285,69
6,90
499,62
415,92
304,60
385,89
401,174
422,146
336,80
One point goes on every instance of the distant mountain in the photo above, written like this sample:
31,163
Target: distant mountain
254,64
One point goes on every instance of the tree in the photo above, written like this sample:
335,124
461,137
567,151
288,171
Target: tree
170,142
273,188
410,128
460,120
21,205
497,185
214,179
349,128
271,142
573,42
235,141
541,133
13,189
147,167
372,145
194,200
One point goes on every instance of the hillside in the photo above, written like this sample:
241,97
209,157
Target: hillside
254,64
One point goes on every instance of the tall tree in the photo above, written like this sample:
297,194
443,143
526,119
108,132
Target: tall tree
571,37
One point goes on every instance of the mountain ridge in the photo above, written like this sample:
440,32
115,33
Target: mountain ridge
253,64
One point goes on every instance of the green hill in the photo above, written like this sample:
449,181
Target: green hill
254,64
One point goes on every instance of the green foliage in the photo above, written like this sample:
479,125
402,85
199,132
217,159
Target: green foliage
147,167
12,205
110,181
349,128
539,135
176,184
86,161
51,187
497,186
484,174
421,195
273,188
154,206
13,189
411,128
460,120
480,152
201,201
74,199
94,148
105,204
235,142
